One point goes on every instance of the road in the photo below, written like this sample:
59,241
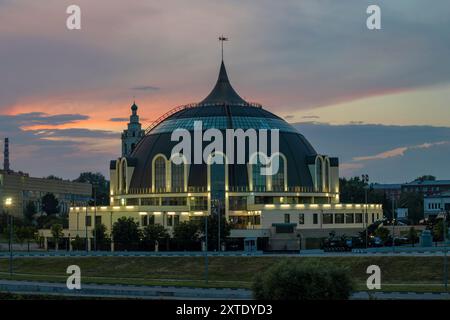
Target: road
415,252
179,293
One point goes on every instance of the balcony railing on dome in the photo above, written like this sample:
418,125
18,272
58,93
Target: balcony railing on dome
193,105
236,189
166,190
297,189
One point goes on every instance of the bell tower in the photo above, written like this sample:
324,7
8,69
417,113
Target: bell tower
133,133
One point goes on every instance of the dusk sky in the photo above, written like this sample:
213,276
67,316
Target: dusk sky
379,100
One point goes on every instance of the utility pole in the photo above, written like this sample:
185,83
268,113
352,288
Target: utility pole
365,180
95,218
11,241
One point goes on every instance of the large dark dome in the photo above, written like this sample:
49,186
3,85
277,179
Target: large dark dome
222,109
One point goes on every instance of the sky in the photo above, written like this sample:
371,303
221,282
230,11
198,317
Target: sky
377,99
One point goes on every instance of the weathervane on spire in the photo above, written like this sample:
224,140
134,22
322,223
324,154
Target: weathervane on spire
222,39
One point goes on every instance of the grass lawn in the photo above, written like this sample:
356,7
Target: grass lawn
420,274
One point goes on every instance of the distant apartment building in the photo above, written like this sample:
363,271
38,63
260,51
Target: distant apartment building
427,187
436,204
22,189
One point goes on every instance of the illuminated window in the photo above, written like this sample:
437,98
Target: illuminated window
124,175
160,174
278,178
177,178
319,174
259,180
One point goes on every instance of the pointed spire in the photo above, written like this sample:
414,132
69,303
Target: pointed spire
223,92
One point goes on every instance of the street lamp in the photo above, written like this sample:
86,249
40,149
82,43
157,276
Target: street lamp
8,204
365,179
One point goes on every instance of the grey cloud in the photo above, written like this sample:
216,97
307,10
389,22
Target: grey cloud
57,151
391,153
310,117
295,54
119,119
145,88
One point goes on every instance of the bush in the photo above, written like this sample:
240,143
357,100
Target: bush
297,281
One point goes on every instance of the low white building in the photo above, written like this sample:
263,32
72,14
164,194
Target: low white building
435,204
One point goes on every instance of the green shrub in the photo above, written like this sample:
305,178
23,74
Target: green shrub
299,281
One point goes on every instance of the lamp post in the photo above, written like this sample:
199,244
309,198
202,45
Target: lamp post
8,204
95,218
206,248
445,252
85,228
393,224
365,179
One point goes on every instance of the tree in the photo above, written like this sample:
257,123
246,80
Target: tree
30,211
303,281
52,177
78,243
155,232
426,177
57,234
100,186
438,231
213,227
26,233
100,235
186,234
382,233
412,235
50,204
414,202
126,232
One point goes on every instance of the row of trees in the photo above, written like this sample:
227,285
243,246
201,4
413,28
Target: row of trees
187,235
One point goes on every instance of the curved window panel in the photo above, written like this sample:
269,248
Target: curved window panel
177,177
221,123
160,174
278,178
259,180
124,176
319,174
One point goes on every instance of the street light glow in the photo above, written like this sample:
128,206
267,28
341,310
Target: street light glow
8,202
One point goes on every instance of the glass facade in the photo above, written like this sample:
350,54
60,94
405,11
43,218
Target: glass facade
221,123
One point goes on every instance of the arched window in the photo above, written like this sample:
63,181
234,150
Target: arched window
278,180
124,175
258,179
160,174
177,178
118,175
327,175
319,174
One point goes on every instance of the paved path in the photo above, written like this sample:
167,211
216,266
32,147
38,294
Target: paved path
179,293
128,291
399,296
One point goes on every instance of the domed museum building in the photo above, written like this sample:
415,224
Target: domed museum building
286,210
